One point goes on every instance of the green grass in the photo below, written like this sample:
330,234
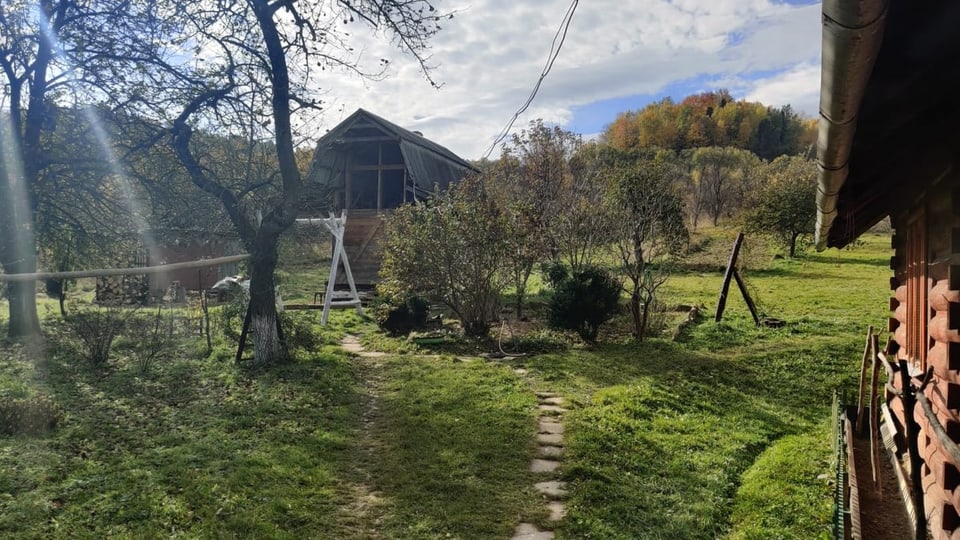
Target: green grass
453,445
196,449
718,434
721,434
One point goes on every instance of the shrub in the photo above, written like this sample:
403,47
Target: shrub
452,248
299,333
28,416
401,317
232,315
97,328
153,337
555,272
584,301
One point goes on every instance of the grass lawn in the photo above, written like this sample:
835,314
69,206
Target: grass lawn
723,433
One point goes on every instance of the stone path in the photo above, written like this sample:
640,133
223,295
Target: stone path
351,343
547,463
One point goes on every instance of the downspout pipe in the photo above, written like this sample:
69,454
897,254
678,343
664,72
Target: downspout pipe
852,34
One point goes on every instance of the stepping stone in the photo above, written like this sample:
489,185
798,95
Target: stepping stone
529,531
545,394
555,439
544,465
553,400
558,510
553,489
547,425
549,451
371,354
556,409
520,371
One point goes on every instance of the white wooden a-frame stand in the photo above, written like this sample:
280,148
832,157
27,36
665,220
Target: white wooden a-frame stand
336,226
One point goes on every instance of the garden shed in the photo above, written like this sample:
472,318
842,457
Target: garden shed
170,246
367,166
889,145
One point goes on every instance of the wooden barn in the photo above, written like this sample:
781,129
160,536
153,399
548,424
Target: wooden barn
889,145
367,166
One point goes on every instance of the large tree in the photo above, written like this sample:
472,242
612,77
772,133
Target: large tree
52,51
534,185
784,206
252,70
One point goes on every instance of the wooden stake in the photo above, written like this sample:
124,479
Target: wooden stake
746,296
863,378
875,415
722,302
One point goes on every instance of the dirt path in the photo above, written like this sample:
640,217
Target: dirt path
368,505
365,512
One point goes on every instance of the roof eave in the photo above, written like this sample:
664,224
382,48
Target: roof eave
852,34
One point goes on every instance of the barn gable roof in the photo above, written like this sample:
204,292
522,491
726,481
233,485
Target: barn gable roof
427,162
889,115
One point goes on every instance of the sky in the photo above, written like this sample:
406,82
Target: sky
619,55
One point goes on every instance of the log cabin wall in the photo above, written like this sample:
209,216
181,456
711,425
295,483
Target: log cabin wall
924,325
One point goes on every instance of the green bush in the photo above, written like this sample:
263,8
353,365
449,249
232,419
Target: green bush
584,301
554,272
28,416
300,333
401,317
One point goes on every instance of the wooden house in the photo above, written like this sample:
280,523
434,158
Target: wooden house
889,145
367,166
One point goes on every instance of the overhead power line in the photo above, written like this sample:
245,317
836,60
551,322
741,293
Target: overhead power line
555,47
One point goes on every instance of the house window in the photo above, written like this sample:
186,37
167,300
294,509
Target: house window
917,291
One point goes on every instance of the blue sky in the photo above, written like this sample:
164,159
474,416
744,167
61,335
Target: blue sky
619,55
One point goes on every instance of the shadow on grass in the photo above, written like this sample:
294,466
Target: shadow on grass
198,447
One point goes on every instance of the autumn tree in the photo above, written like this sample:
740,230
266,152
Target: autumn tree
50,51
711,119
784,206
647,216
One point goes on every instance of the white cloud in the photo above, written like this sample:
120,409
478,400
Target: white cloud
800,87
489,56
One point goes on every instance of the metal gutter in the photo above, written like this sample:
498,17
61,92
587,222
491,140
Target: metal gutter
852,34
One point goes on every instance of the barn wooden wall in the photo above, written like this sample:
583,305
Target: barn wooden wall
940,205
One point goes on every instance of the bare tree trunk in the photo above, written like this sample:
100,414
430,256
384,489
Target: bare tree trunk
24,321
268,348
635,313
18,256
643,319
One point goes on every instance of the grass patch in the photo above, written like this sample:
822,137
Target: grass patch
721,434
197,449
454,443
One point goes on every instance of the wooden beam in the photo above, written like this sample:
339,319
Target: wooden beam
746,296
201,263
722,302
863,378
395,167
